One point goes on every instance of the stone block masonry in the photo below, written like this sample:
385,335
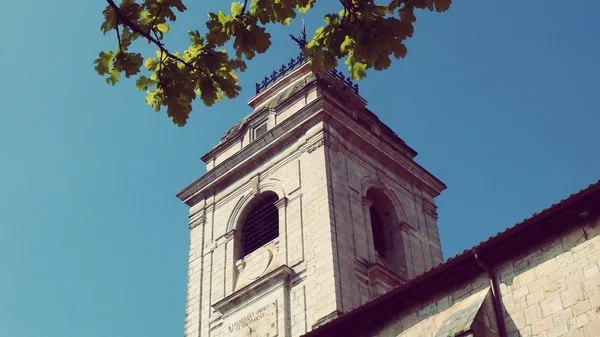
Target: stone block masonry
554,290
320,161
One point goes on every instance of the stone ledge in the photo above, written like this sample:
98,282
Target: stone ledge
279,276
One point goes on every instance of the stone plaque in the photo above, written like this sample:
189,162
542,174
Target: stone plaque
256,321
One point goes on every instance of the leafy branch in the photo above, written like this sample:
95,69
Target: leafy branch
135,28
363,33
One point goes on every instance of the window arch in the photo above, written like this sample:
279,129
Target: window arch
383,218
378,231
260,224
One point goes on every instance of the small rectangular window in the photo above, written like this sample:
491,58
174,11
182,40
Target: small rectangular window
260,130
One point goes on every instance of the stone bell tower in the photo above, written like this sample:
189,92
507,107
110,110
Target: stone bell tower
310,207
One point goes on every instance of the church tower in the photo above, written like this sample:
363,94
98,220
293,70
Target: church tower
310,207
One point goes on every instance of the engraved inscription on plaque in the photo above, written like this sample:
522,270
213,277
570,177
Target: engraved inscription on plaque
257,321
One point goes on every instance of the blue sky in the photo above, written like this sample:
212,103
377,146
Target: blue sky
500,99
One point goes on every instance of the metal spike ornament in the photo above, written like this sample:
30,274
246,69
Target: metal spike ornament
301,40
295,62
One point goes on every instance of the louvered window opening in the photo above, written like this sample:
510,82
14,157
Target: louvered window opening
261,226
260,130
378,233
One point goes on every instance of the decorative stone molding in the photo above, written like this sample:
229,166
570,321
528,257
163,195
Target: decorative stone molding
230,235
281,203
331,142
370,181
338,91
194,214
237,211
240,265
431,212
399,153
229,176
281,275
380,276
327,318
258,263
256,185
198,222
223,239
367,202
404,226
312,147
271,185
430,209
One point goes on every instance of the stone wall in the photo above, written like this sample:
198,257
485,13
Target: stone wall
323,262
298,176
554,290
351,174
550,290
463,309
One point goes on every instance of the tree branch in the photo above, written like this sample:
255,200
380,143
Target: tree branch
156,41
350,8
118,36
244,8
160,64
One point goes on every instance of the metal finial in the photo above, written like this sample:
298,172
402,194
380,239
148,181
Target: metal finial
300,40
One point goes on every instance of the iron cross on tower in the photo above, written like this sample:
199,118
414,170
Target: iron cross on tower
300,40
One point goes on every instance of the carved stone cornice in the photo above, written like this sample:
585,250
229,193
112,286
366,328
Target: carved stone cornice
254,154
282,275
404,226
256,185
312,147
367,202
227,237
327,318
281,203
198,222
350,139
428,210
380,274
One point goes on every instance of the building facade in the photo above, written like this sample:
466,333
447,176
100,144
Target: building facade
309,208
313,219
539,278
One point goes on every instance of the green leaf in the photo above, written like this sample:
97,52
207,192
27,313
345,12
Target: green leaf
143,83
262,40
348,43
104,62
305,5
163,27
358,70
154,98
366,39
208,92
129,63
237,8
151,64
110,19
113,77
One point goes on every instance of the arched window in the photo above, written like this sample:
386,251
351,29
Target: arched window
386,242
378,231
261,224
